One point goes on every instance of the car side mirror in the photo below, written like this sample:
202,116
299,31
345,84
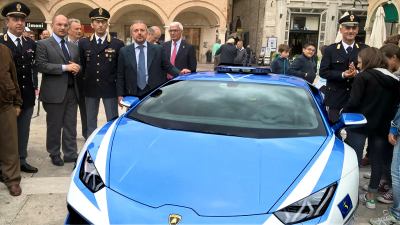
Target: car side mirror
349,119
129,101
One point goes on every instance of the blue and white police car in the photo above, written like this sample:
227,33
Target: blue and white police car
226,147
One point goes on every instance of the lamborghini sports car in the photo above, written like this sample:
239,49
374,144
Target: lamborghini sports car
236,146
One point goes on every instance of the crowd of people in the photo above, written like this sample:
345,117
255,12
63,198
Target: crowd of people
232,53
80,71
76,72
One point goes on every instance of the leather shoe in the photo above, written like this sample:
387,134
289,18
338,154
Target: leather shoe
56,160
70,160
14,189
28,168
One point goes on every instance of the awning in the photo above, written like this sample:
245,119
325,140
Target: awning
391,14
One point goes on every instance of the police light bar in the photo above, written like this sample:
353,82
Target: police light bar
243,69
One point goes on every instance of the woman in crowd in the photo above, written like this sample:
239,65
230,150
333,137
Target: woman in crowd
304,66
375,94
392,216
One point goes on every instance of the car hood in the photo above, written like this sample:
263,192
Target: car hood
214,175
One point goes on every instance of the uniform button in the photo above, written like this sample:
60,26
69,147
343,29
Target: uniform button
23,86
348,89
98,56
23,76
23,66
97,80
22,56
348,80
97,71
98,64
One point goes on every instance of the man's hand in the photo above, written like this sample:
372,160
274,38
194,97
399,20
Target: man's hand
349,73
392,139
17,110
119,101
73,68
185,71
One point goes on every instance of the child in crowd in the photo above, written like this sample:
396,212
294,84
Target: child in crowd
304,65
375,94
392,216
280,65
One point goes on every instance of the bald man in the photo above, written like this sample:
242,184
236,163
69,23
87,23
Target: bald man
153,34
58,61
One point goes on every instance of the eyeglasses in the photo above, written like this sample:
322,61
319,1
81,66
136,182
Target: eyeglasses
310,49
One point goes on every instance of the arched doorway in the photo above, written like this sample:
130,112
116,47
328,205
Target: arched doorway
200,28
123,18
78,11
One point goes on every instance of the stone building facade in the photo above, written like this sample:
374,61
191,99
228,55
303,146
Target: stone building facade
293,22
204,21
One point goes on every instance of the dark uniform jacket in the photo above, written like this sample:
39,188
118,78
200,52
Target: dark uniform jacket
334,62
99,66
185,58
9,91
25,65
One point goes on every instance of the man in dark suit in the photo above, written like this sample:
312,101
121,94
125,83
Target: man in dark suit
180,53
99,58
23,50
338,66
141,65
58,60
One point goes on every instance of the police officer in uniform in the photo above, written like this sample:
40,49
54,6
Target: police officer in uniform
99,55
339,66
23,51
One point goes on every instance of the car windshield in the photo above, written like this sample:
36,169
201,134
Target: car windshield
232,108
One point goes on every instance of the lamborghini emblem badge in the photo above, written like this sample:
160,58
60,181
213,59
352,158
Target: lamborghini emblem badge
174,219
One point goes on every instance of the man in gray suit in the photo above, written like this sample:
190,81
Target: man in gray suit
58,61
141,65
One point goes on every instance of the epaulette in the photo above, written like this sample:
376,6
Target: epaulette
5,37
338,46
357,46
91,37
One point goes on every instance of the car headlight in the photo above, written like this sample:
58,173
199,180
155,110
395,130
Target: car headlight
307,208
88,174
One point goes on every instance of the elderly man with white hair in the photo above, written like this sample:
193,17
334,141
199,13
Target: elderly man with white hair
180,53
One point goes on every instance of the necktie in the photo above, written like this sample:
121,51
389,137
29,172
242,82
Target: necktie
173,56
19,46
141,70
65,51
99,41
349,49
172,60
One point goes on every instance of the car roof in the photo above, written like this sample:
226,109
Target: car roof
275,79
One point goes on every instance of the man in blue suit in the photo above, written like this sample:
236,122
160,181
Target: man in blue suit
141,65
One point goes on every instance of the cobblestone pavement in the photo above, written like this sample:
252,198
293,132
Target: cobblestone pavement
43,199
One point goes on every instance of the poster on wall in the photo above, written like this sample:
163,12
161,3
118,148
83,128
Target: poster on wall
272,43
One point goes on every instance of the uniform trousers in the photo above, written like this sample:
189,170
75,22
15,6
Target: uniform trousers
9,160
92,110
24,124
61,120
